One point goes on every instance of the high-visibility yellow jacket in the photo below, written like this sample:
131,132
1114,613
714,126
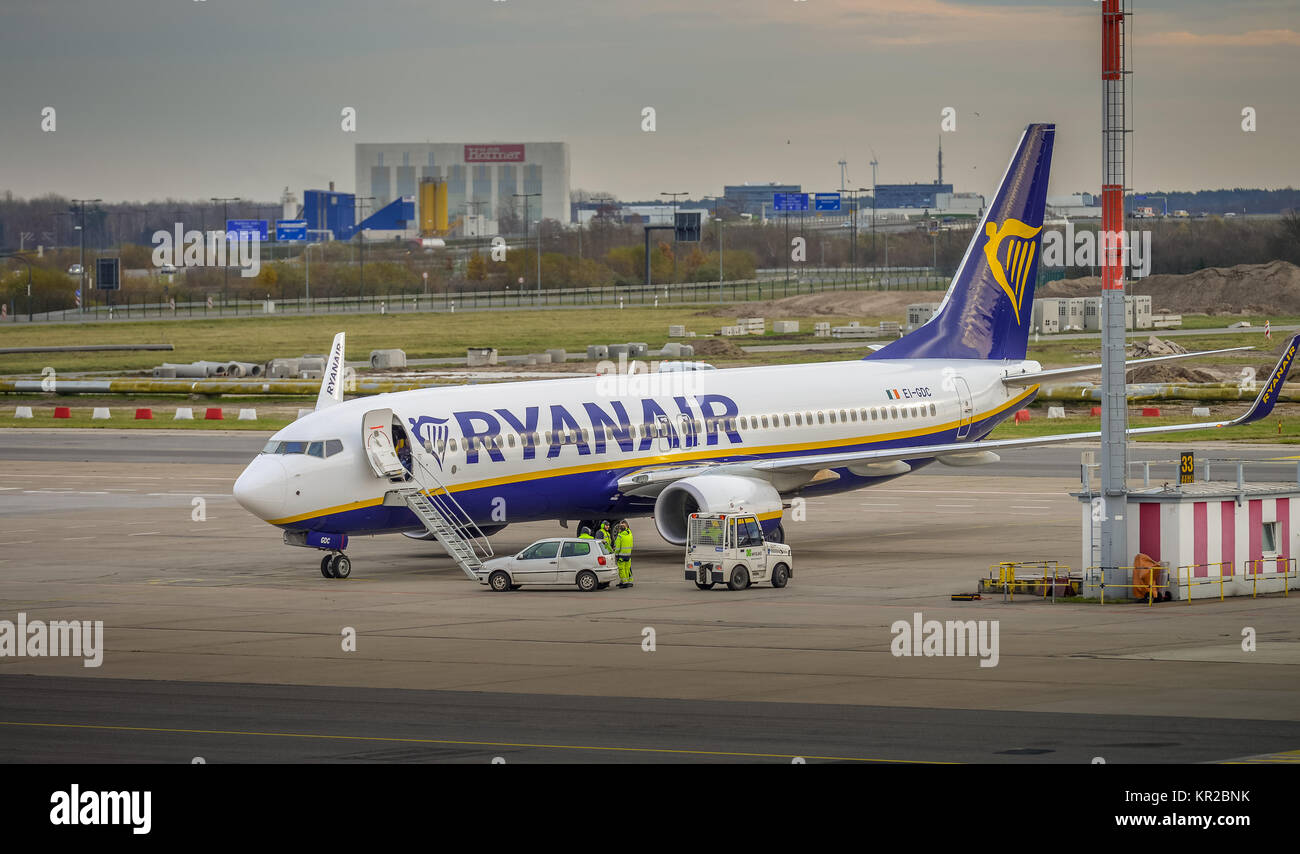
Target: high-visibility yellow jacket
623,544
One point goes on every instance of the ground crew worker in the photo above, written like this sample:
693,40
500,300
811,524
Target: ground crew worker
606,535
623,554
585,534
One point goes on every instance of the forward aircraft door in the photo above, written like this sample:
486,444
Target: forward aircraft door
377,438
965,407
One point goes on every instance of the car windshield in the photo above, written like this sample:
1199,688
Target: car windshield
538,551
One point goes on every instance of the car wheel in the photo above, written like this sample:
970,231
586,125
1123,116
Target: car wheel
499,581
739,578
780,575
587,581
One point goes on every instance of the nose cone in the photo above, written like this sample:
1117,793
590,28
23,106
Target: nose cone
261,488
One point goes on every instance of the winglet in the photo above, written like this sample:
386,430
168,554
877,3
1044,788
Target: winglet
1272,389
331,385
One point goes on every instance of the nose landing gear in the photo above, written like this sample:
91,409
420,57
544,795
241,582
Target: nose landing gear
335,565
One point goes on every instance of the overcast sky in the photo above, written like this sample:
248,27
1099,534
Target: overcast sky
198,98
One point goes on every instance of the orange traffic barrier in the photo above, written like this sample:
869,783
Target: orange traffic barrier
62,412
213,414
1095,412
144,415
1150,412
1022,415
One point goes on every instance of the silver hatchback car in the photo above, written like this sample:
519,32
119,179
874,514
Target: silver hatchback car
588,564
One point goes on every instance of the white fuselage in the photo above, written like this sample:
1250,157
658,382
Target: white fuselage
556,448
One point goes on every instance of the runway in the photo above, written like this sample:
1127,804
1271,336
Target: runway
178,722
211,624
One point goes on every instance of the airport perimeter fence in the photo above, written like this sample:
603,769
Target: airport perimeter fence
769,284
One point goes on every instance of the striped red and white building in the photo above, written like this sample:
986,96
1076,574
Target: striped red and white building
1249,535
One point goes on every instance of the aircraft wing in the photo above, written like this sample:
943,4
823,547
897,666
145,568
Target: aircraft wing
1029,378
652,480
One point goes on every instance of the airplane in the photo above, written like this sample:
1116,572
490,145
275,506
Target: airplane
457,465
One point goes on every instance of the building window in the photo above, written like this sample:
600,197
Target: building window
1269,545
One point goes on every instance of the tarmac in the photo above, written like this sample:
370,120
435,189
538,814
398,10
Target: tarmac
221,642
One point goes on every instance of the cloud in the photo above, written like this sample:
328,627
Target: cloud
1254,38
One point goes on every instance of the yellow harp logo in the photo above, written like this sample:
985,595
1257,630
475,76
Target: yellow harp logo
1010,250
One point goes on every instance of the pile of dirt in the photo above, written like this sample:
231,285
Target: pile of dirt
1272,288
1172,372
715,347
851,304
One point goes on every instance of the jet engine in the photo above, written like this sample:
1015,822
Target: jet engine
721,493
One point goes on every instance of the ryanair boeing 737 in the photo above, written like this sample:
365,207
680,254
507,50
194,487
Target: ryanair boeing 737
457,465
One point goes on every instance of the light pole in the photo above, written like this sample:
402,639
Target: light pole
81,205
674,197
225,222
526,197
361,244
306,254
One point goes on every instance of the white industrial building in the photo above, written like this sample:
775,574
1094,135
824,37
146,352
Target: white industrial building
482,178
1077,314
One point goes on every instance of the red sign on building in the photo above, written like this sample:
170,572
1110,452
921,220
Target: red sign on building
494,154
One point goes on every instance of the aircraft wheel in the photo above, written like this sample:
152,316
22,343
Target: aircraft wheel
780,575
778,534
326,566
739,578
341,566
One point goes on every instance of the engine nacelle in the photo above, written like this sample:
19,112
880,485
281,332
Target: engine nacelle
722,493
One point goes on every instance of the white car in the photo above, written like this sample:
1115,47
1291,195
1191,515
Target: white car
589,564
74,270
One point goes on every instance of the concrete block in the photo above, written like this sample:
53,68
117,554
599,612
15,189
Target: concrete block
184,413
164,373
278,369
687,351
558,356
785,327
637,349
480,357
677,331
672,350
539,358
616,350
381,359
100,412
23,412
247,415
311,364
597,352
1200,412
1056,412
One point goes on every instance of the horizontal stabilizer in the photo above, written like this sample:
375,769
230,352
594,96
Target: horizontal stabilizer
1029,378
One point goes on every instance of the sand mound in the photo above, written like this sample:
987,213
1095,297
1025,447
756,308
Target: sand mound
716,347
1272,288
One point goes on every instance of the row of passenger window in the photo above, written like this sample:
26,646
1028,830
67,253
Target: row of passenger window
322,449
743,422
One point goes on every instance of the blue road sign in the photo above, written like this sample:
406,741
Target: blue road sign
247,226
789,202
291,229
827,201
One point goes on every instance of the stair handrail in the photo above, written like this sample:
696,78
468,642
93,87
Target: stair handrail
446,504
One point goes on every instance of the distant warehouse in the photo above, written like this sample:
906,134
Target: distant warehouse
481,179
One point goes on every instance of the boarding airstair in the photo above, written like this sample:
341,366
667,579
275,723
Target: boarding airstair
419,488
444,518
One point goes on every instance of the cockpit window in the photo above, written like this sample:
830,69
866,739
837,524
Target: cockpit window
321,449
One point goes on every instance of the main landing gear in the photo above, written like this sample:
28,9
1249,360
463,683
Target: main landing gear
335,565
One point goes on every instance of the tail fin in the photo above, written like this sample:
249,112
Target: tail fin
331,384
986,312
